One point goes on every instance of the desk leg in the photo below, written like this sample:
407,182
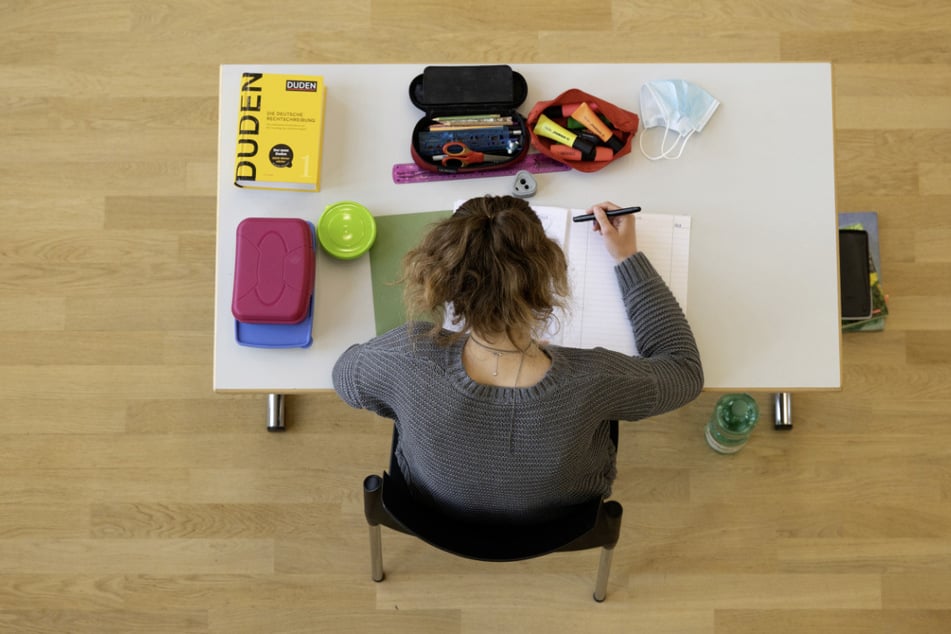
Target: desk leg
275,412
782,410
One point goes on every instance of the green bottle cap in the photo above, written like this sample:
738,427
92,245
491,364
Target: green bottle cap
346,230
737,412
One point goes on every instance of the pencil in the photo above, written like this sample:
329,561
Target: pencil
623,211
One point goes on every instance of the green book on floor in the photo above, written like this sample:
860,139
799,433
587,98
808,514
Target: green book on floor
395,235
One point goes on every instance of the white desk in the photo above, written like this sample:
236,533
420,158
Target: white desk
758,183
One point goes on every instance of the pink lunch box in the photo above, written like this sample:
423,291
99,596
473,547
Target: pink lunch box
273,270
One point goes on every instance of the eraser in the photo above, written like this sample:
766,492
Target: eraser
524,185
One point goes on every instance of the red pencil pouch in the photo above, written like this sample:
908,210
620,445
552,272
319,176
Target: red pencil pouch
273,271
623,122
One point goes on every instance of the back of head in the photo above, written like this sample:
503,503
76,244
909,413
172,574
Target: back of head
493,263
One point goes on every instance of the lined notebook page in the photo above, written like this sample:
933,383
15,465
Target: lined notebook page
596,316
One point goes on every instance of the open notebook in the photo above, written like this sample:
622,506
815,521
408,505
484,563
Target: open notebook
596,316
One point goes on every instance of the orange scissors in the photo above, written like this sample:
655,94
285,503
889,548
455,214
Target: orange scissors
458,154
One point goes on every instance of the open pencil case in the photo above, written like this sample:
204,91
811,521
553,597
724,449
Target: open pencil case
471,120
622,125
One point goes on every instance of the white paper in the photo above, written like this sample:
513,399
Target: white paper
597,316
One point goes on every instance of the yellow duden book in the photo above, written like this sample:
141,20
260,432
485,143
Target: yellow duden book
280,132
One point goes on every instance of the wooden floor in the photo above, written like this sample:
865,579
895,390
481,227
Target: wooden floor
134,499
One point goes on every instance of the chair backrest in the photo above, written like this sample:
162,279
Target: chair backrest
592,524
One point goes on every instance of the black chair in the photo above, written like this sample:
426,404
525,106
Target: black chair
387,501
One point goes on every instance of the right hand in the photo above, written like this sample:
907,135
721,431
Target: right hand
620,234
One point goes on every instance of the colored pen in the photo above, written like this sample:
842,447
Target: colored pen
623,211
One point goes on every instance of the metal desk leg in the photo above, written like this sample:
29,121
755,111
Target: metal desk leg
782,410
275,412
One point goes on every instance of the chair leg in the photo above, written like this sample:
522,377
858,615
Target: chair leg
376,553
604,572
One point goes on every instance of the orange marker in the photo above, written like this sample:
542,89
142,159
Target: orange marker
584,115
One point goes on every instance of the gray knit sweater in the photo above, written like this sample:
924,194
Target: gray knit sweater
518,452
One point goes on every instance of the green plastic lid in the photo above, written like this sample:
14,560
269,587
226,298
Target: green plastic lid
346,230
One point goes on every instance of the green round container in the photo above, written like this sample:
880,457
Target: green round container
346,230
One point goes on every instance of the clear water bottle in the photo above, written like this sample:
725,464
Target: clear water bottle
732,422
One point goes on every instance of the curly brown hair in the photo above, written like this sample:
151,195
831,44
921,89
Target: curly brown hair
493,263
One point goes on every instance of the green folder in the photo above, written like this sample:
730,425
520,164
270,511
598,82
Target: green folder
395,235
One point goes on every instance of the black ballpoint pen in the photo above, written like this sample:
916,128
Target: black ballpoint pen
613,212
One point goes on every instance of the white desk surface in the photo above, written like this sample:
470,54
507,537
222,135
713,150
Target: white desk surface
758,183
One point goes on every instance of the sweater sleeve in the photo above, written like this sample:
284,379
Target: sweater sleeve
662,333
355,381
345,377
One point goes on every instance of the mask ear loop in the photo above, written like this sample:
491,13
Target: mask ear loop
664,154
683,144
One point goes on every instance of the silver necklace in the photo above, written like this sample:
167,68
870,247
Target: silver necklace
500,352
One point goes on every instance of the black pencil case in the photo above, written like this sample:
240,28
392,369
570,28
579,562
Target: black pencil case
468,143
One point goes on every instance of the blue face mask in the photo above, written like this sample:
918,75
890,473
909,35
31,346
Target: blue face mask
678,106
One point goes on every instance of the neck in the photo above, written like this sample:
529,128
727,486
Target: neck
504,361
518,342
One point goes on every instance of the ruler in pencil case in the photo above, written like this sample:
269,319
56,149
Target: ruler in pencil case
535,163
493,140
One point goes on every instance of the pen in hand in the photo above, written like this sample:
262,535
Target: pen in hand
613,212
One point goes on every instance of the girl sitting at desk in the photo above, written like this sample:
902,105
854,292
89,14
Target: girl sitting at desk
492,421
